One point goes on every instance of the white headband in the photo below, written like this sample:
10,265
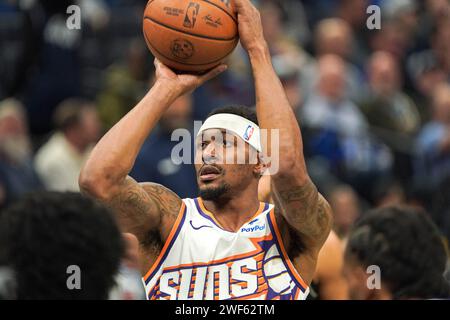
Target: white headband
244,128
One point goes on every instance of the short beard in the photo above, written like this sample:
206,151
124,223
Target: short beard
212,194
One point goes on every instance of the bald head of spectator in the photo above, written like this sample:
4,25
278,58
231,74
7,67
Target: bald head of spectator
15,146
334,36
441,103
384,73
331,77
77,119
345,204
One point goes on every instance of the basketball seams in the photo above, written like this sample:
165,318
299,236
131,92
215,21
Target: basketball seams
219,7
186,63
187,32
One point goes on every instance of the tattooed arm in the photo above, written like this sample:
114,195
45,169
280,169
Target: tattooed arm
146,210
303,214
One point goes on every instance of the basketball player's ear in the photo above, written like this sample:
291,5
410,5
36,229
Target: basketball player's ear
261,167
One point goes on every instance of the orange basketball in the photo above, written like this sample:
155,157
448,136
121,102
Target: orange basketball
190,35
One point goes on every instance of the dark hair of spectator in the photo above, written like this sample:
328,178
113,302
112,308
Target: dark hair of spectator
69,113
407,247
45,233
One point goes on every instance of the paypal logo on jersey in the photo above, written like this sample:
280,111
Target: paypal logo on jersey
253,228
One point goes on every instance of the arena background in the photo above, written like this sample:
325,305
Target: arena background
374,105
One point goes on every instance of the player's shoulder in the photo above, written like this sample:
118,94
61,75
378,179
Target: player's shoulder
165,199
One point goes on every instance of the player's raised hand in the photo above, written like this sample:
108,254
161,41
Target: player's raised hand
249,24
184,83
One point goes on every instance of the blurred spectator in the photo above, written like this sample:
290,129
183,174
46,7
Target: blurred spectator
59,161
293,18
54,72
333,36
384,104
328,107
398,28
339,130
354,13
346,209
155,163
129,284
404,11
433,12
392,114
288,68
328,282
433,144
17,175
406,247
389,193
430,67
124,84
274,29
46,237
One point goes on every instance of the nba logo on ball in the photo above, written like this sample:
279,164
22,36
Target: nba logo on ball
191,15
249,133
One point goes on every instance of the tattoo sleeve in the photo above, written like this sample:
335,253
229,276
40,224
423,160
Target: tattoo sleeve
306,212
146,210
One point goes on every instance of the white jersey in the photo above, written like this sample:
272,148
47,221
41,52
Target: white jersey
202,261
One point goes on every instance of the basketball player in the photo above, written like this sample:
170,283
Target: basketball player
224,244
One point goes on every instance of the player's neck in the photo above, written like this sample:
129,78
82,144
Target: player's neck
233,213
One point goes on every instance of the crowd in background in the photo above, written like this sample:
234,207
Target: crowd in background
374,105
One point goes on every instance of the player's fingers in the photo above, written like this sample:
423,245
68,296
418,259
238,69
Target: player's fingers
240,3
213,73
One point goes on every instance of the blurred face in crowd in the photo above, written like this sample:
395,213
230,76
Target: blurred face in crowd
271,21
344,203
89,128
354,11
334,36
178,115
392,38
441,104
438,8
14,141
384,75
292,88
137,57
332,73
441,45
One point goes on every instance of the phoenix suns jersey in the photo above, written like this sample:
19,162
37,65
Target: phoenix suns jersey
202,261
